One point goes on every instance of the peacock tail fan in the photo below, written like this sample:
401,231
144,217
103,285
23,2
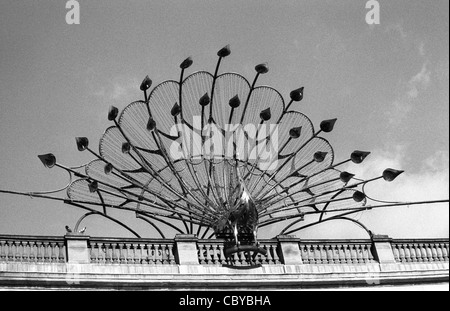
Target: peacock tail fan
216,153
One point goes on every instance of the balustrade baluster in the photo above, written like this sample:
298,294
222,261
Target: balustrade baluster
418,252
19,251
9,251
133,253
33,252
171,258
402,253
237,259
47,252
120,254
260,259
110,253
266,259
130,253
439,252
127,253
407,253
328,254
25,252
3,250
353,253
335,252
213,253
317,254
359,253
201,254
429,252
146,253
413,252
222,259
342,255
165,254
40,252
218,254
136,253
103,252
161,253
275,255
209,255
348,253
434,255
53,257
365,250
149,253
445,251
115,253
423,252
312,254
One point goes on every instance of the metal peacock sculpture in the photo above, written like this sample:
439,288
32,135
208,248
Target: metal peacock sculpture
216,155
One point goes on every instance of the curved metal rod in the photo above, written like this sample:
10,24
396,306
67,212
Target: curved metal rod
291,224
80,166
211,235
326,205
180,216
375,200
132,194
162,221
206,231
101,200
54,191
152,224
369,232
342,217
81,219
93,212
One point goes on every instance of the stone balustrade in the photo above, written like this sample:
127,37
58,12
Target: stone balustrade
32,249
188,262
211,252
131,251
420,250
336,252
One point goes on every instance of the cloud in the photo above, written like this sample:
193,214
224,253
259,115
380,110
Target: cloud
422,51
429,182
120,88
397,29
419,81
404,103
117,88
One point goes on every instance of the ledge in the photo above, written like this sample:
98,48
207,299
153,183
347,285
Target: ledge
95,276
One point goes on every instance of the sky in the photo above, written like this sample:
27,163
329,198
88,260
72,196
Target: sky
387,83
